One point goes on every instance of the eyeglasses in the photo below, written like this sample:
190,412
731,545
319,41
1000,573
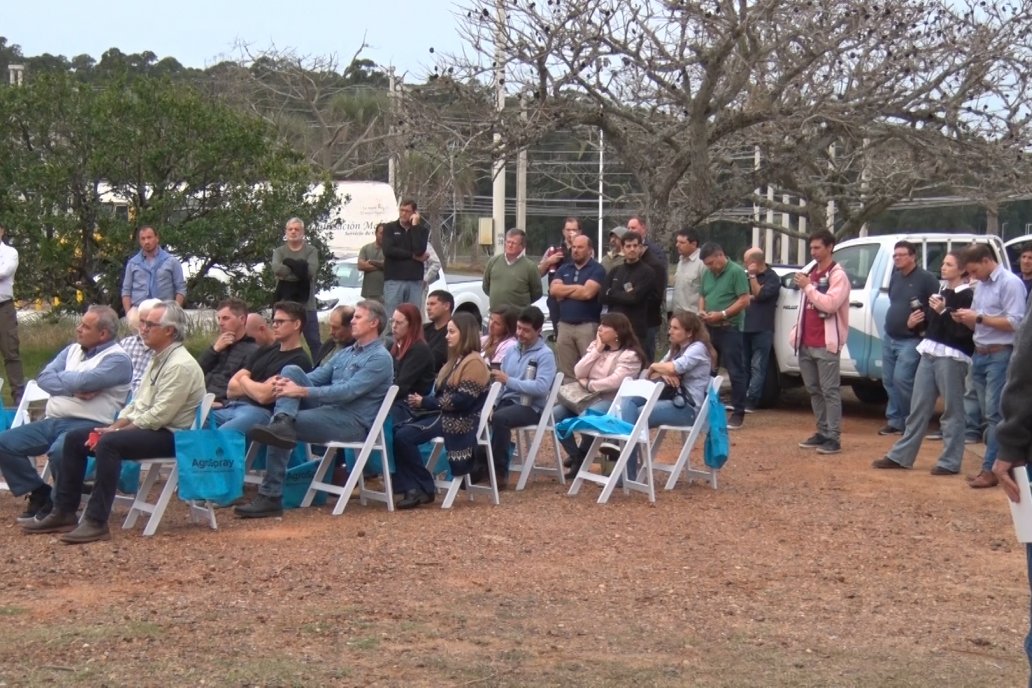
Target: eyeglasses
148,324
279,321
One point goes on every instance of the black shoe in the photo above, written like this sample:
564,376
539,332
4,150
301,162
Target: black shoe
889,430
39,505
735,421
414,498
279,433
829,447
87,531
261,506
55,522
813,441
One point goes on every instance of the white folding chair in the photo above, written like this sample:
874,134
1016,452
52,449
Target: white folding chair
527,455
253,476
689,434
638,437
451,486
151,471
375,441
32,393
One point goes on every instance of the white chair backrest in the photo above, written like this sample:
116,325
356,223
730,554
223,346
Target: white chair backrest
489,401
629,388
385,408
207,401
32,393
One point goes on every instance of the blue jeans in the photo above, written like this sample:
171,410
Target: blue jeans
974,423
397,292
937,376
240,416
899,365
573,449
29,440
989,372
756,354
314,423
663,413
728,343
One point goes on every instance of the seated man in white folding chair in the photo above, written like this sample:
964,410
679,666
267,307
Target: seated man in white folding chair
250,391
171,391
337,401
527,372
87,383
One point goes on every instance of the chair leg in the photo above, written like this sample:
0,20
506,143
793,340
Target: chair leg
171,484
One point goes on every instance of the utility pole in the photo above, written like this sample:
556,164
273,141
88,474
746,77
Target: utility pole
498,168
521,175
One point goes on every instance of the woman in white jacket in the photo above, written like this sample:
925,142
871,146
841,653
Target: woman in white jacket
614,356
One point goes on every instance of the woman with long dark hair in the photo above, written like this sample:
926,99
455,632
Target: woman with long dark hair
613,356
945,357
501,333
458,399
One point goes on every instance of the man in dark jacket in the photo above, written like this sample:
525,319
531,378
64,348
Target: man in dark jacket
655,257
229,351
404,255
631,287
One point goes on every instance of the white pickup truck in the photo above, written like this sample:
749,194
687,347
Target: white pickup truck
868,263
347,289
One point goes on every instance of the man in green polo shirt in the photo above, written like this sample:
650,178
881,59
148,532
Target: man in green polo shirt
724,298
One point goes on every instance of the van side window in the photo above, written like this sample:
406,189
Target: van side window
857,260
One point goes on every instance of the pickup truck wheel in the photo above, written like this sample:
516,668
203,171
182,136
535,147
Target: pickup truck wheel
870,392
771,384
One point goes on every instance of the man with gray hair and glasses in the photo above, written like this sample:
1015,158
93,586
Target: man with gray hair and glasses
171,391
88,382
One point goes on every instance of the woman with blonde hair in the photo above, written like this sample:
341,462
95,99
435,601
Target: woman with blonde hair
456,404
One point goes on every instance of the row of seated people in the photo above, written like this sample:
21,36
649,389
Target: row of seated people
336,401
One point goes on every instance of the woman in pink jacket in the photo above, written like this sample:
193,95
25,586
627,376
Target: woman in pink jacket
614,356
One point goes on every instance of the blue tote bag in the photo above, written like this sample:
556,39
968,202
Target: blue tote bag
211,465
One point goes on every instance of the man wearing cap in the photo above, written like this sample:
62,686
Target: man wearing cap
576,287
614,256
688,278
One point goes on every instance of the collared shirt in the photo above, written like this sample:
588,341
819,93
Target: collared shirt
112,371
1002,294
720,291
171,390
140,355
356,378
160,277
578,311
688,283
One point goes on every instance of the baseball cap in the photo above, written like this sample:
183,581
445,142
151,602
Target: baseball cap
619,231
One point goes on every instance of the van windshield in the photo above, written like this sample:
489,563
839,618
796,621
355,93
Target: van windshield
347,275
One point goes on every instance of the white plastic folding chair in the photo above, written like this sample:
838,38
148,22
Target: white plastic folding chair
690,435
451,486
375,441
526,464
32,393
638,437
151,471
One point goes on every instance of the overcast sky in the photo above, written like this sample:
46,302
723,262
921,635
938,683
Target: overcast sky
199,33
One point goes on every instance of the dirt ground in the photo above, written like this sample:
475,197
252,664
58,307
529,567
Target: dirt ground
798,571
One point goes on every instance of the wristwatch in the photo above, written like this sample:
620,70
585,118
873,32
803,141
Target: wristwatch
979,318
724,314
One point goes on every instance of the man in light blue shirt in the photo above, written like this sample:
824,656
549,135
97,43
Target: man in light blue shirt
995,315
523,397
88,383
153,273
337,401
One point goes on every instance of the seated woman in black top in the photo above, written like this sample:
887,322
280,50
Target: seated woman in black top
413,360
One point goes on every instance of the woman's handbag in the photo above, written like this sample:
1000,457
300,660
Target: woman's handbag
576,397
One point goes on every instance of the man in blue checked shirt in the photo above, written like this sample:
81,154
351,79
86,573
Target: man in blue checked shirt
336,402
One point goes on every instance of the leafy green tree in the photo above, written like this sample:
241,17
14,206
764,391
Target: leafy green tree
82,165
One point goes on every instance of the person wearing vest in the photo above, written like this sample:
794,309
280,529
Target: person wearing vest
170,394
88,383
153,273
818,337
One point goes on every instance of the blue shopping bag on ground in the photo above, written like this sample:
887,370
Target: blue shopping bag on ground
211,465
297,482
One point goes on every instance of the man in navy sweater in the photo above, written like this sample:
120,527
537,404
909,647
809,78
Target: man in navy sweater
404,254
